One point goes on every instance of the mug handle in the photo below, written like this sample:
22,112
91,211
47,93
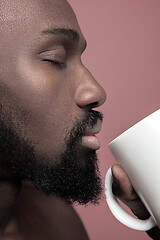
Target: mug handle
120,213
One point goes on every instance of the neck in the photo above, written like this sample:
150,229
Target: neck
9,189
8,196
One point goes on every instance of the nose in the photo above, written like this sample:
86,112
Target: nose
89,93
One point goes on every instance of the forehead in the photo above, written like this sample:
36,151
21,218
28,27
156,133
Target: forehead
34,16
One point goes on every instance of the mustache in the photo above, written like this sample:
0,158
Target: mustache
89,120
92,117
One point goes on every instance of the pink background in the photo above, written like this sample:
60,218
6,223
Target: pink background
123,54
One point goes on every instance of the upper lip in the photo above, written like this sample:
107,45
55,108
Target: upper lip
94,130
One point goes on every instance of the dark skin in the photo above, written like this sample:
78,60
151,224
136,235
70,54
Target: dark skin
50,82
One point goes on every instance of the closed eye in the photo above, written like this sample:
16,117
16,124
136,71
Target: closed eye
56,63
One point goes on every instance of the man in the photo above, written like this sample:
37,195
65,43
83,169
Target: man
48,125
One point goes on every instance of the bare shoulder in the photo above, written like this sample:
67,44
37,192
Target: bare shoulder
53,218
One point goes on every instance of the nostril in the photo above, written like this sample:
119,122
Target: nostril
92,105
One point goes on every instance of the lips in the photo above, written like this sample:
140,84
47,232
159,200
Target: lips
89,140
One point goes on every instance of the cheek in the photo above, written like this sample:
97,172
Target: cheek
43,109
37,86
42,87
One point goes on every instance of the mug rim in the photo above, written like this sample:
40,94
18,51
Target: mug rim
132,127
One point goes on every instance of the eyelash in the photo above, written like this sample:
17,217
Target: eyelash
59,64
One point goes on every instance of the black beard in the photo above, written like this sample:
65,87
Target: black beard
73,176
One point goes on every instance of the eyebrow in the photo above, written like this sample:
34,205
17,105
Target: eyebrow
71,34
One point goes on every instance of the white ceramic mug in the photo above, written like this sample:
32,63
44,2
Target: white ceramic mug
137,150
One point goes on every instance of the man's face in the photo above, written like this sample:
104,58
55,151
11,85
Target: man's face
47,95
